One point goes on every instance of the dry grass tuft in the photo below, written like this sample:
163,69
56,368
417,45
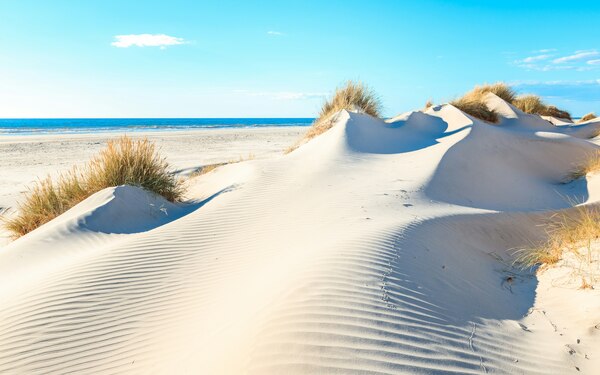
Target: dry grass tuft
353,96
136,163
571,234
588,117
500,89
533,104
428,104
590,165
473,102
123,162
475,107
529,104
555,112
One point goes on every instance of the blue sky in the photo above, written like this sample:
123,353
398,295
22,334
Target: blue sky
279,58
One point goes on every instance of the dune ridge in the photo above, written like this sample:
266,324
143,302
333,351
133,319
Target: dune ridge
379,247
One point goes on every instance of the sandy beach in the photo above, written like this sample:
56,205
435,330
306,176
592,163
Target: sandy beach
378,247
23,159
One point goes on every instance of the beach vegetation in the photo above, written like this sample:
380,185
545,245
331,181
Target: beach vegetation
123,162
574,235
590,165
476,107
533,104
352,96
588,117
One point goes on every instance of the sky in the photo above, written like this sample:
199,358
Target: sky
74,59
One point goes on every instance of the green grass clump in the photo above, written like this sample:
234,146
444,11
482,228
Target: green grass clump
123,162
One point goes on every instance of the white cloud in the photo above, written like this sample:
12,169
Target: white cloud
275,33
594,62
547,50
146,40
536,58
579,55
584,91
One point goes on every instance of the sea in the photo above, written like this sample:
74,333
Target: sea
99,125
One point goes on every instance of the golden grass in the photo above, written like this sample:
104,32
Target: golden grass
352,96
590,165
475,107
572,234
473,102
136,163
588,117
533,104
500,89
555,112
428,104
122,162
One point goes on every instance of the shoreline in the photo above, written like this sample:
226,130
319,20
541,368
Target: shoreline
24,159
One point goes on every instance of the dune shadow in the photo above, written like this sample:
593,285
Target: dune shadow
459,268
496,169
416,131
142,215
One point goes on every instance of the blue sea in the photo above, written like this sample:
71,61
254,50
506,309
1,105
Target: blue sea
96,125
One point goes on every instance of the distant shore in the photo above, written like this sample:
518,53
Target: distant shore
33,127
26,158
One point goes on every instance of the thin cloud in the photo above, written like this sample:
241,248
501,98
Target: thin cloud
550,61
146,40
531,59
547,50
579,55
585,91
275,33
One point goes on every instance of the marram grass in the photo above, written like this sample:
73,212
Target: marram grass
123,162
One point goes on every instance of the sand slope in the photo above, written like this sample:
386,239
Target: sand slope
376,248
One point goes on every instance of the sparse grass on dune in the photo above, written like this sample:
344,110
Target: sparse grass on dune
500,89
590,165
568,234
428,104
352,96
529,104
473,102
122,162
588,117
130,162
476,108
533,104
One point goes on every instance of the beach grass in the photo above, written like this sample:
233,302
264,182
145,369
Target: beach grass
588,117
590,165
500,89
123,162
533,104
475,107
352,96
574,235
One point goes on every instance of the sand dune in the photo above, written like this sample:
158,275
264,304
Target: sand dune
378,247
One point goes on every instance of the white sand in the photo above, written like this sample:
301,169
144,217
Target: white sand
375,248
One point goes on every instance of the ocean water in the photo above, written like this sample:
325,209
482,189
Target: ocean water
80,126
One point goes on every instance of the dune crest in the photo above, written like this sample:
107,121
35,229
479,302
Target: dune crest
377,247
